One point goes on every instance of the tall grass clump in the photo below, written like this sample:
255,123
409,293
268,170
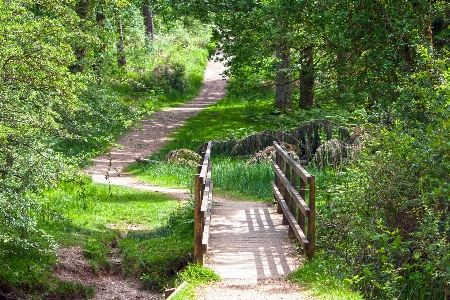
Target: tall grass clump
165,174
248,181
324,279
193,275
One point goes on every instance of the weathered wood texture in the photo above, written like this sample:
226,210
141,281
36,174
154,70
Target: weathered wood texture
249,243
292,183
202,204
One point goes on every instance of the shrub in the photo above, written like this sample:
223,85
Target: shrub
387,223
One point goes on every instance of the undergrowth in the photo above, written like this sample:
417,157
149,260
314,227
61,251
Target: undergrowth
193,275
156,256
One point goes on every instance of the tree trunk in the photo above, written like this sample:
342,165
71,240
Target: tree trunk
122,60
148,21
307,79
283,90
82,10
340,75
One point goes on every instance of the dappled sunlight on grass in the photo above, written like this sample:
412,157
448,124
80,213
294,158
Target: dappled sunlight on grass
104,208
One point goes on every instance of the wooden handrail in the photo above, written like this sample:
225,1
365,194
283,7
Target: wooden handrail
290,196
202,204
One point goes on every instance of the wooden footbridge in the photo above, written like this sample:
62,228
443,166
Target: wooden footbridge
253,241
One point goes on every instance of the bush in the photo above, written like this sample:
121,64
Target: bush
387,223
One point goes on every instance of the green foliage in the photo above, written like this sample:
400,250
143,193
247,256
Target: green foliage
324,279
35,89
98,121
385,221
179,71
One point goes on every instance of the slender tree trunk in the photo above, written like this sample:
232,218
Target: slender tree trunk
99,57
307,79
148,21
340,75
122,60
82,10
283,90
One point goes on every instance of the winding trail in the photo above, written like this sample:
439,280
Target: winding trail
153,132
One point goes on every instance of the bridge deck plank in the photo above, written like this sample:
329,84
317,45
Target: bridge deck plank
248,241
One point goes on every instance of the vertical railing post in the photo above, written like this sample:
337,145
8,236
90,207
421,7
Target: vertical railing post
287,196
312,219
301,216
293,207
283,190
198,230
277,180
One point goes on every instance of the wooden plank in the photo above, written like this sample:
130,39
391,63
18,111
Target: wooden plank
301,237
205,238
294,165
292,191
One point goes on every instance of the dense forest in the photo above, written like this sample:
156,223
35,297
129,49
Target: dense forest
73,76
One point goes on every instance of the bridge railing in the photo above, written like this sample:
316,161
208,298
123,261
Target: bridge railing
202,204
292,184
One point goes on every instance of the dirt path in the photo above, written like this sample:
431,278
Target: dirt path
153,133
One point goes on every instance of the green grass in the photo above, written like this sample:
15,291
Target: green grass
94,206
165,174
194,275
158,229
235,178
94,216
156,256
232,177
